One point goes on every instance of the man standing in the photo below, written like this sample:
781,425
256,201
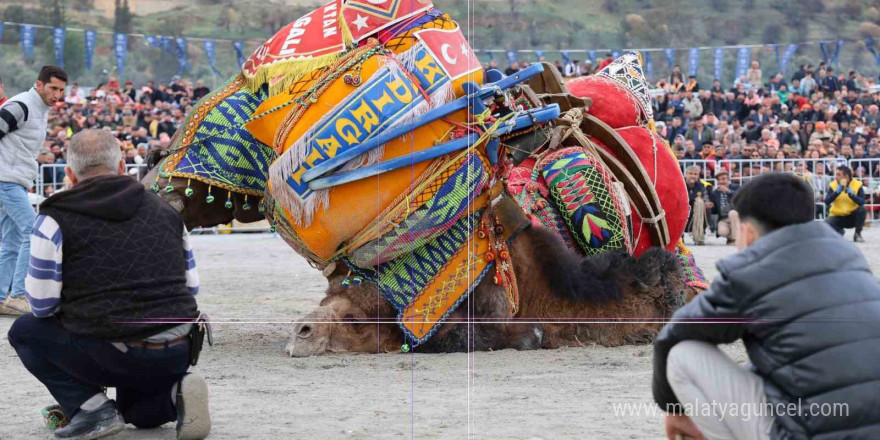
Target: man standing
112,286
23,121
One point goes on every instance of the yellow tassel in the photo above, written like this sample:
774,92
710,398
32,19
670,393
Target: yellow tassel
290,72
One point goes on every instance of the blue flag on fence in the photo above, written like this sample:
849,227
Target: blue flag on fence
719,62
670,57
239,51
615,54
59,34
210,45
165,42
566,56
1,29
27,41
182,62
591,55
649,64
693,61
786,57
835,57
869,43
120,47
511,56
152,40
743,58
91,40
539,54
491,55
778,57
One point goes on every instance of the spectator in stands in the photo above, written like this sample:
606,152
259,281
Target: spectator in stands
676,75
700,135
609,58
692,104
200,91
846,202
754,76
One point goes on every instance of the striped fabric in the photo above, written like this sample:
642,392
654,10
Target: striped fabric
43,282
11,117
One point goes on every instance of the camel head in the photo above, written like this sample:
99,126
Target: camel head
353,318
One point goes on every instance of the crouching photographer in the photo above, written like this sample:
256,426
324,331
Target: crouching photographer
112,285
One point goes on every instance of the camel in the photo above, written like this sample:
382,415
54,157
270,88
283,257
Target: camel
560,296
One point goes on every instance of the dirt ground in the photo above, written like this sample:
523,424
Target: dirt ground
257,286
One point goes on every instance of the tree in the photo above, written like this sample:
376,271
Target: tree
122,17
55,10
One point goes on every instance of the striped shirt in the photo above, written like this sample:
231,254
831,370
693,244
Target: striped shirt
43,282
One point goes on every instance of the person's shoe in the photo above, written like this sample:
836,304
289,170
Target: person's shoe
858,238
16,306
731,241
101,422
193,416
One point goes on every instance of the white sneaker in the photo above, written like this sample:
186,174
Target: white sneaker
193,415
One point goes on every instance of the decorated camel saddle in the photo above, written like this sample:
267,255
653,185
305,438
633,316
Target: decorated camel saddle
369,136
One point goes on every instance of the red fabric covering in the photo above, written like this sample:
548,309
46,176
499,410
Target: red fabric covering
615,106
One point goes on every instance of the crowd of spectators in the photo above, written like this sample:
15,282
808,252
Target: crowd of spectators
143,119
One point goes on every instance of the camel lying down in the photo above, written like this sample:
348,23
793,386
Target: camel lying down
555,285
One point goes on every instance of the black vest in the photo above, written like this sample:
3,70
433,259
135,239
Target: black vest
124,268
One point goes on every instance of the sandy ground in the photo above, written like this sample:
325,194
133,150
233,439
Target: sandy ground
258,393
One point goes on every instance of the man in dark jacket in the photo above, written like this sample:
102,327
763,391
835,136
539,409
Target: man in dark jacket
111,284
807,307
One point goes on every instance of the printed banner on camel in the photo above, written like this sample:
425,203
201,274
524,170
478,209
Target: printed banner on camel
451,50
314,35
366,17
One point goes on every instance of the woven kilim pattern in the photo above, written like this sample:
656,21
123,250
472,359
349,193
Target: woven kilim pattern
582,193
693,274
402,279
223,153
529,188
450,202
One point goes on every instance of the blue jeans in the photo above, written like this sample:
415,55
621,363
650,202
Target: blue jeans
74,369
16,220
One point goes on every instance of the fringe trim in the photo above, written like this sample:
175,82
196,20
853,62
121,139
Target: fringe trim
302,211
288,72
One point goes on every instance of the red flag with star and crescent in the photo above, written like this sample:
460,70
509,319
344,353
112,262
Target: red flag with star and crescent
366,17
451,50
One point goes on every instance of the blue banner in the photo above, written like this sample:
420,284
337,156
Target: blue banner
91,41
59,34
182,62
539,54
491,55
511,56
27,41
835,57
153,40
210,45
786,58
566,57
693,61
778,57
743,58
165,43
869,43
120,47
591,55
1,29
719,62
670,56
615,54
239,52
649,65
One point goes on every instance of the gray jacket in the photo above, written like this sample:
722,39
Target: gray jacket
23,121
809,312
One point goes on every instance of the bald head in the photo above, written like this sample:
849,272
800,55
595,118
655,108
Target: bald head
93,152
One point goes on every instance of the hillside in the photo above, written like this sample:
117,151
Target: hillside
490,24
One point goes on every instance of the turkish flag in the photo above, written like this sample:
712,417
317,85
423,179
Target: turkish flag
366,17
451,50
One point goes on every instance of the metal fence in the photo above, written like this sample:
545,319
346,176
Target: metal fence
819,173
